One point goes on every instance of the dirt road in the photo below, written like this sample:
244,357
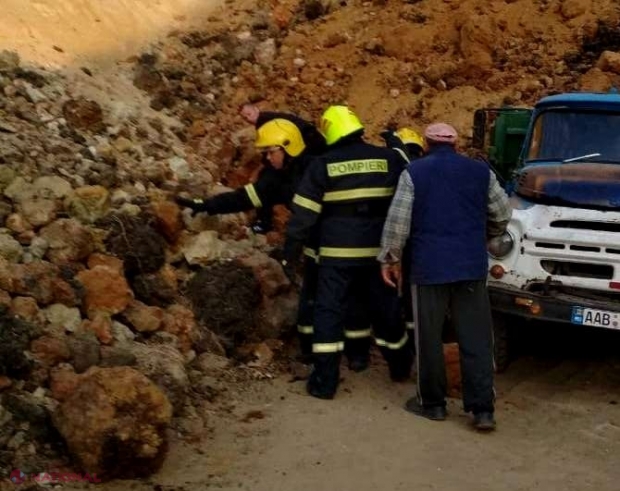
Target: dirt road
559,429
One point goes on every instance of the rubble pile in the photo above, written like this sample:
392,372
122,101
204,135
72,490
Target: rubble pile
117,304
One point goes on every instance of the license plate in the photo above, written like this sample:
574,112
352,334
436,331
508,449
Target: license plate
596,318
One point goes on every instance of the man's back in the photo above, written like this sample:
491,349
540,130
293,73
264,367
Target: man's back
449,217
353,184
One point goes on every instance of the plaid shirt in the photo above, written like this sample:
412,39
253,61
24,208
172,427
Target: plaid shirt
397,225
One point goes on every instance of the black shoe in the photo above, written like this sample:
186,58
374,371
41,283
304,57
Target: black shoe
435,413
358,364
484,421
318,392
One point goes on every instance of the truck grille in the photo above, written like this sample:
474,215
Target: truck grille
587,225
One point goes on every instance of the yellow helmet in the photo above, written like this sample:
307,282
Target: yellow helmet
280,133
410,137
338,122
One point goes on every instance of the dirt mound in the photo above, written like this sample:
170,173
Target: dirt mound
224,298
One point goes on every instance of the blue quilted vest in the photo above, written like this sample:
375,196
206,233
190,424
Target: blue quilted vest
448,223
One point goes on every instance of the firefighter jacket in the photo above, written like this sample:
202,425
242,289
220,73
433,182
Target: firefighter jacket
272,187
315,143
346,193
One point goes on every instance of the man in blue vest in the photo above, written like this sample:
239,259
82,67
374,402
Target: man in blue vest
448,205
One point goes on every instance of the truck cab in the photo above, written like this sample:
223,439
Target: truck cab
560,257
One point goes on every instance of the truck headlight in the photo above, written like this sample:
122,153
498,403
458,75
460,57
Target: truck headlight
500,246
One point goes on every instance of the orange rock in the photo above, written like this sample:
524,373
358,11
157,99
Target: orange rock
101,324
169,222
63,292
106,290
180,321
50,351
115,407
198,128
63,382
144,318
99,259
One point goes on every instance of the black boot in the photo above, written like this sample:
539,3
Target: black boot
434,413
484,421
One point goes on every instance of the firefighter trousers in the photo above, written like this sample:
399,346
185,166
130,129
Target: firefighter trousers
358,334
469,307
338,288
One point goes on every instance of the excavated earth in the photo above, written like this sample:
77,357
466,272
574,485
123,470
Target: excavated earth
112,108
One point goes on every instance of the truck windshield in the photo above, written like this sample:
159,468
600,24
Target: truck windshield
568,134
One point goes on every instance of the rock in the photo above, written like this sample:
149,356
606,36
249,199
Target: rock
105,290
165,366
5,383
5,212
136,242
158,289
64,318
26,308
38,279
180,321
572,8
168,220
88,203
63,382
277,315
121,333
68,240
54,186
15,337
50,351
268,272
84,347
83,114
7,176
101,325
211,364
477,39
117,356
224,298
179,168
19,190
99,259
38,211
27,407
17,223
609,61
10,249
595,80
9,60
265,52
206,247
144,318
115,423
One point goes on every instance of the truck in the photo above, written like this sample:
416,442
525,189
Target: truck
559,259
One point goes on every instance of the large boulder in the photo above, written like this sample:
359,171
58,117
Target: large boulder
114,423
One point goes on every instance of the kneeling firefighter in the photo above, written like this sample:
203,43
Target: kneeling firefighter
283,148
346,192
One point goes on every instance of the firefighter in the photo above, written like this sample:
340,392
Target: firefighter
347,192
283,146
314,141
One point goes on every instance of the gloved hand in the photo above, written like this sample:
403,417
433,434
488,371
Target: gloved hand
195,204
387,135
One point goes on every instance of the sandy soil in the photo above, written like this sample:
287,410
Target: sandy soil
62,32
559,429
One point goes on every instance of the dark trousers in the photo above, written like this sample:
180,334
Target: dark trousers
358,335
338,288
468,304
